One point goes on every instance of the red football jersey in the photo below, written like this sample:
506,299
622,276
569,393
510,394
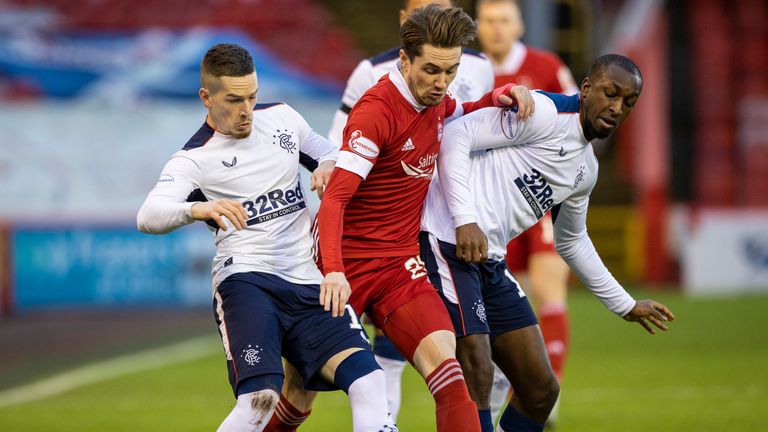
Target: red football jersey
391,143
535,69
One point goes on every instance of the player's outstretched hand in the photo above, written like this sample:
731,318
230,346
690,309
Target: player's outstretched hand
334,293
471,243
218,210
320,177
647,312
515,96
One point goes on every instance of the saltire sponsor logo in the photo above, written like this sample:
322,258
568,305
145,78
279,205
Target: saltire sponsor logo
362,145
536,191
425,169
274,204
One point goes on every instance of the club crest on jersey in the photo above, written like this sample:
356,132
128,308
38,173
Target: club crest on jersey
362,145
282,138
251,355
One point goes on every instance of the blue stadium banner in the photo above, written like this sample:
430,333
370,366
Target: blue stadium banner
109,267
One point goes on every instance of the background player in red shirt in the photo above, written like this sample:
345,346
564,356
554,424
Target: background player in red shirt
530,256
370,215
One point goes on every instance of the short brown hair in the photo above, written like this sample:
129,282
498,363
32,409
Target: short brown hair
225,60
443,27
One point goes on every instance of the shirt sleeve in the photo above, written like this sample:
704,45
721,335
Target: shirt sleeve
575,247
330,218
166,207
314,145
364,136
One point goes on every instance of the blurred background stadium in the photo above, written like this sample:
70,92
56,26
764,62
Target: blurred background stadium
97,94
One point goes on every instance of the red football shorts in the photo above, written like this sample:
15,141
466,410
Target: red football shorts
395,292
536,239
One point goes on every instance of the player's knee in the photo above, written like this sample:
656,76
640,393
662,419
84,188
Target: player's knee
542,396
355,366
474,354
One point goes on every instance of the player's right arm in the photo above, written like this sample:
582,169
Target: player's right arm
363,137
362,79
484,129
166,207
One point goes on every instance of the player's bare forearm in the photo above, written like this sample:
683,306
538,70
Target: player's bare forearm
218,210
471,243
647,312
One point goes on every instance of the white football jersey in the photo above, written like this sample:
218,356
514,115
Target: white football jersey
261,172
474,78
505,175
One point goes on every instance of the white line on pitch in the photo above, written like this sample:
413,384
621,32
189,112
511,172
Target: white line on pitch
188,350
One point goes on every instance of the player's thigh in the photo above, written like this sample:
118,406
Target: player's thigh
458,283
548,278
315,337
506,304
250,327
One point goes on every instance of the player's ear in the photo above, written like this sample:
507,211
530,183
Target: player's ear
404,61
205,97
586,86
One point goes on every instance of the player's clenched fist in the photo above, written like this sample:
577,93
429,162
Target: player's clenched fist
334,293
218,210
471,243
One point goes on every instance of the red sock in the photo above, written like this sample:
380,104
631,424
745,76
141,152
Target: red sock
286,417
553,320
454,409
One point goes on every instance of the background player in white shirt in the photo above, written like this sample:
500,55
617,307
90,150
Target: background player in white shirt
498,176
240,173
474,78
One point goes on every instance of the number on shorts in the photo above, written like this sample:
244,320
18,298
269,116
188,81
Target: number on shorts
519,290
416,266
355,324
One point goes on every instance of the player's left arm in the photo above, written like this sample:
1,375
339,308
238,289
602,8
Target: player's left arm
575,247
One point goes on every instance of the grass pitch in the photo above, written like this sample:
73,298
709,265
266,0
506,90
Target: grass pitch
709,373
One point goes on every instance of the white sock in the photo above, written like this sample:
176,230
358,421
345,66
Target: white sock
499,392
251,412
393,371
369,406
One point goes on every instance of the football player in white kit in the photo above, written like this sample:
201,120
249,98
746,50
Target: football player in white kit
497,176
240,174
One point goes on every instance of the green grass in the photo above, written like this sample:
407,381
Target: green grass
709,373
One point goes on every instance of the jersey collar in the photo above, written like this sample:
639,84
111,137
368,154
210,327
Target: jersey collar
399,81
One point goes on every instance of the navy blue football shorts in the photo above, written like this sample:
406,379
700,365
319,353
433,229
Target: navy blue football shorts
480,298
262,317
